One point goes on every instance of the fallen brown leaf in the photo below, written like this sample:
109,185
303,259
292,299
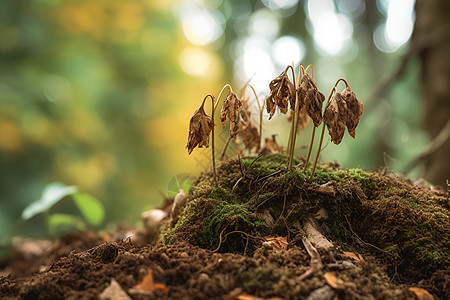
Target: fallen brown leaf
311,98
231,112
355,257
148,285
335,118
421,294
200,127
354,110
333,281
278,242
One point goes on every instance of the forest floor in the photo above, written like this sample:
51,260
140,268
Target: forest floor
258,234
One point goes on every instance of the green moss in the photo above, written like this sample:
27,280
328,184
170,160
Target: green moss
227,215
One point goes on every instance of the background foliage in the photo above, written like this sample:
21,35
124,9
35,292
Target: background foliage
98,94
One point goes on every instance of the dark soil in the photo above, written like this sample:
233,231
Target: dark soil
215,250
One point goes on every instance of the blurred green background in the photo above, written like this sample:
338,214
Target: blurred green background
98,93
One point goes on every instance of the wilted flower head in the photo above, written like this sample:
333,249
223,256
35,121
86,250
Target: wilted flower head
200,127
335,117
250,136
231,112
302,119
282,92
311,98
354,110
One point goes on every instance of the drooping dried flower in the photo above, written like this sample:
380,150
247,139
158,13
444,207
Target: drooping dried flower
303,119
335,117
311,98
354,110
271,146
250,136
282,92
231,112
200,127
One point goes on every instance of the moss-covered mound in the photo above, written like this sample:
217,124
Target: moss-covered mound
404,226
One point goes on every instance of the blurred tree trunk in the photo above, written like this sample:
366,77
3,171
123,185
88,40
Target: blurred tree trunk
431,35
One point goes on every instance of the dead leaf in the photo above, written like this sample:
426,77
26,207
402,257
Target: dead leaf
354,110
421,294
231,112
282,92
237,294
335,117
114,292
271,146
311,99
200,127
355,257
333,281
147,284
278,242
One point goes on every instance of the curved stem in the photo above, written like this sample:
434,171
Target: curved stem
225,148
261,109
220,94
323,131
312,69
212,134
314,128
294,125
291,132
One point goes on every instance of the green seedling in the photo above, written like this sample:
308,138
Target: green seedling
92,211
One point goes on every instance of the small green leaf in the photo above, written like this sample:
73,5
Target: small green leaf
52,194
60,223
91,209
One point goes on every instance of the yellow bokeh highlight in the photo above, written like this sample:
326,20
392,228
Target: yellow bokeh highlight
10,136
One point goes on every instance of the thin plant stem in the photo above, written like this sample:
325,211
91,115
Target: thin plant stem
215,107
225,148
212,135
333,89
314,128
310,148
261,109
291,134
220,94
294,125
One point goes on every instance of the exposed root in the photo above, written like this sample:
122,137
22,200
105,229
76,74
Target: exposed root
316,261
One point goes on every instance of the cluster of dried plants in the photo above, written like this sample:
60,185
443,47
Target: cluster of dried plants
300,97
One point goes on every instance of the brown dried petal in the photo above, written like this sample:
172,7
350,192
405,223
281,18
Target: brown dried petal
335,118
250,136
200,127
231,112
271,146
270,106
355,110
311,98
282,92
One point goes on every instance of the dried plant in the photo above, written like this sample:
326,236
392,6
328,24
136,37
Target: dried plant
250,135
231,112
335,117
311,99
200,127
354,112
282,92
338,115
